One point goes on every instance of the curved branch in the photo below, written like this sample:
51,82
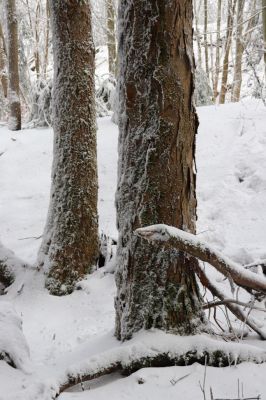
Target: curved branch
189,243
159,349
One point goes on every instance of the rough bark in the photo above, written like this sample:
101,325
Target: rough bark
237,80
3,63
14,122
70,244
228,42
188,243
156,180
218,43
111,43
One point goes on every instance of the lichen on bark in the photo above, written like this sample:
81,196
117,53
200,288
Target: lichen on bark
156,179
70,244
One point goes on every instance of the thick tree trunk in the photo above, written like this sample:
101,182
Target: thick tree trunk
14,122
218,40
70,245
228,41
237,81
110,12
156,180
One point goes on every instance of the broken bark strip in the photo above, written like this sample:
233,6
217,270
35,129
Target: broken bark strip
127,364
189,243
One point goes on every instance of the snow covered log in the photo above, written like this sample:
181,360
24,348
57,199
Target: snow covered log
13,346
191,244
159,349
8,265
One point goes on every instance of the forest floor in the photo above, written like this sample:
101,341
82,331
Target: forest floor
231,190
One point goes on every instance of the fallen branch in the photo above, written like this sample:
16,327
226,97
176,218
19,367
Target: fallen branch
159,349
233,301
237,311
188,243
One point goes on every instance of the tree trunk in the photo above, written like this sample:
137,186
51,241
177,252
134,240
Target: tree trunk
197,33
264,30
70,245
46,52
237,81
156,180
14,122
3,62
228,41
218,40
206,38
110,11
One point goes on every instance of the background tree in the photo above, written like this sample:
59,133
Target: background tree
228,42
70,243
111,43
264,30
237,80
14,123
218,44
156,182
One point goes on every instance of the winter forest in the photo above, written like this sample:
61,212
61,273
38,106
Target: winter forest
132,199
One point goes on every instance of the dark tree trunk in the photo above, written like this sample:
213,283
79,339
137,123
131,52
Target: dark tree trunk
156,179
70,245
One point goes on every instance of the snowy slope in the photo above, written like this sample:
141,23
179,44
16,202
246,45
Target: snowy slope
231,189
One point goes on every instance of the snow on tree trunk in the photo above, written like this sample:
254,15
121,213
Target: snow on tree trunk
110,11
14,122
70,244
156,179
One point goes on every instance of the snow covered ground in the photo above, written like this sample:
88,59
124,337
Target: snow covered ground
231,189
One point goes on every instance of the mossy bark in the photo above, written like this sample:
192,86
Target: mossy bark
70,245
156,178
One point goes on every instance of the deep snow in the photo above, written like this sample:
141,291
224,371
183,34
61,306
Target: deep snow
231,189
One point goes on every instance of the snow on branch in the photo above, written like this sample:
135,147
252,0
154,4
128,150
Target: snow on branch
192,245
156,349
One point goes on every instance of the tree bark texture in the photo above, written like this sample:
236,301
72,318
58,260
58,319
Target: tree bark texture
237,80
156,179
111,42
228,42
70,245
14,122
